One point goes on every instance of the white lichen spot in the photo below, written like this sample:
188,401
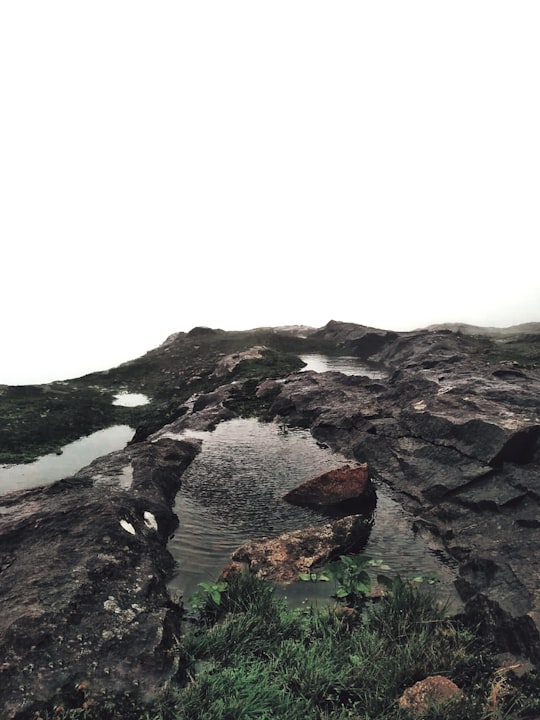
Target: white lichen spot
150,521
420,405
111,605
127,526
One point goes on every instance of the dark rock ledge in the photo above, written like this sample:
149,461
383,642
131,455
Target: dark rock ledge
83,568
459,442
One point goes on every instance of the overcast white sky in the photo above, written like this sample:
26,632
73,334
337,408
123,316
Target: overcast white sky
237,164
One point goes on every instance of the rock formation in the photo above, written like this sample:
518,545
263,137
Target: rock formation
344,485
458,438
283,558
454,432
83,568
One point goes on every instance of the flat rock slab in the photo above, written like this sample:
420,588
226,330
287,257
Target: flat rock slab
83,568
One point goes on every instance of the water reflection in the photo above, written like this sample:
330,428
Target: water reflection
126,399
346,364
233,492
78,454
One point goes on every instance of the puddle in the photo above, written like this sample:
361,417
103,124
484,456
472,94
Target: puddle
346,364
233,490
126,399
49,468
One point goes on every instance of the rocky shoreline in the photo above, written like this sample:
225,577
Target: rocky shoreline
454,431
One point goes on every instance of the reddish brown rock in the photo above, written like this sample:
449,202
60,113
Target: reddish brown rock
283,558
345,484
434,690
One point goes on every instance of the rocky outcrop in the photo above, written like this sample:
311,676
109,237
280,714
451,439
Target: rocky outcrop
335,488
83,569
458,439
283,558
83,562
359,340
228,363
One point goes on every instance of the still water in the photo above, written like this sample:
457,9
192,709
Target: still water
127,399
49,468
233,491
346,364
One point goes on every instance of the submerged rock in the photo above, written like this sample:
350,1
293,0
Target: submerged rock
283,558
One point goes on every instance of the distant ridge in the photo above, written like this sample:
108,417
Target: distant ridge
531,328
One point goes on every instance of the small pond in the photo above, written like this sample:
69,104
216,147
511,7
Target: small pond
49,468
346,364
233,491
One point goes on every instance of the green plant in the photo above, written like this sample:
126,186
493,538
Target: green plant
430,578
351,577
208,598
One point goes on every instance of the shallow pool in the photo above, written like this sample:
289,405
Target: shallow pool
49,468
233,491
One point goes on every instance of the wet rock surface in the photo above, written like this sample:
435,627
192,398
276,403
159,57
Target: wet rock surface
283,558
458,439
83,567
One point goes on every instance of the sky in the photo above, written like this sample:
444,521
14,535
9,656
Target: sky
241,164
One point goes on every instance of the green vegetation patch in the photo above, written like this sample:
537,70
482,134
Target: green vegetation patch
262,659
249,656
39,419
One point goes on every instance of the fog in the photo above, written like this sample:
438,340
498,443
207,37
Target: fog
242,164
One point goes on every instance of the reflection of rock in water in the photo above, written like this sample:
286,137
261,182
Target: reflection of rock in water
233,492
243,481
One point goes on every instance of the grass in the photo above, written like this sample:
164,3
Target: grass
251,657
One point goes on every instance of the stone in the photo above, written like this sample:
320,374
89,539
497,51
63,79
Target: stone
283,558
344,484
435,690
228,363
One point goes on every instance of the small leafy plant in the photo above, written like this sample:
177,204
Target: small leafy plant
429,579
351,577
207,600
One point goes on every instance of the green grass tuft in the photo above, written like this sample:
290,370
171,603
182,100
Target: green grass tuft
251,657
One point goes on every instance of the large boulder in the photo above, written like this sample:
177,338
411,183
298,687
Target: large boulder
344,485
282,558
